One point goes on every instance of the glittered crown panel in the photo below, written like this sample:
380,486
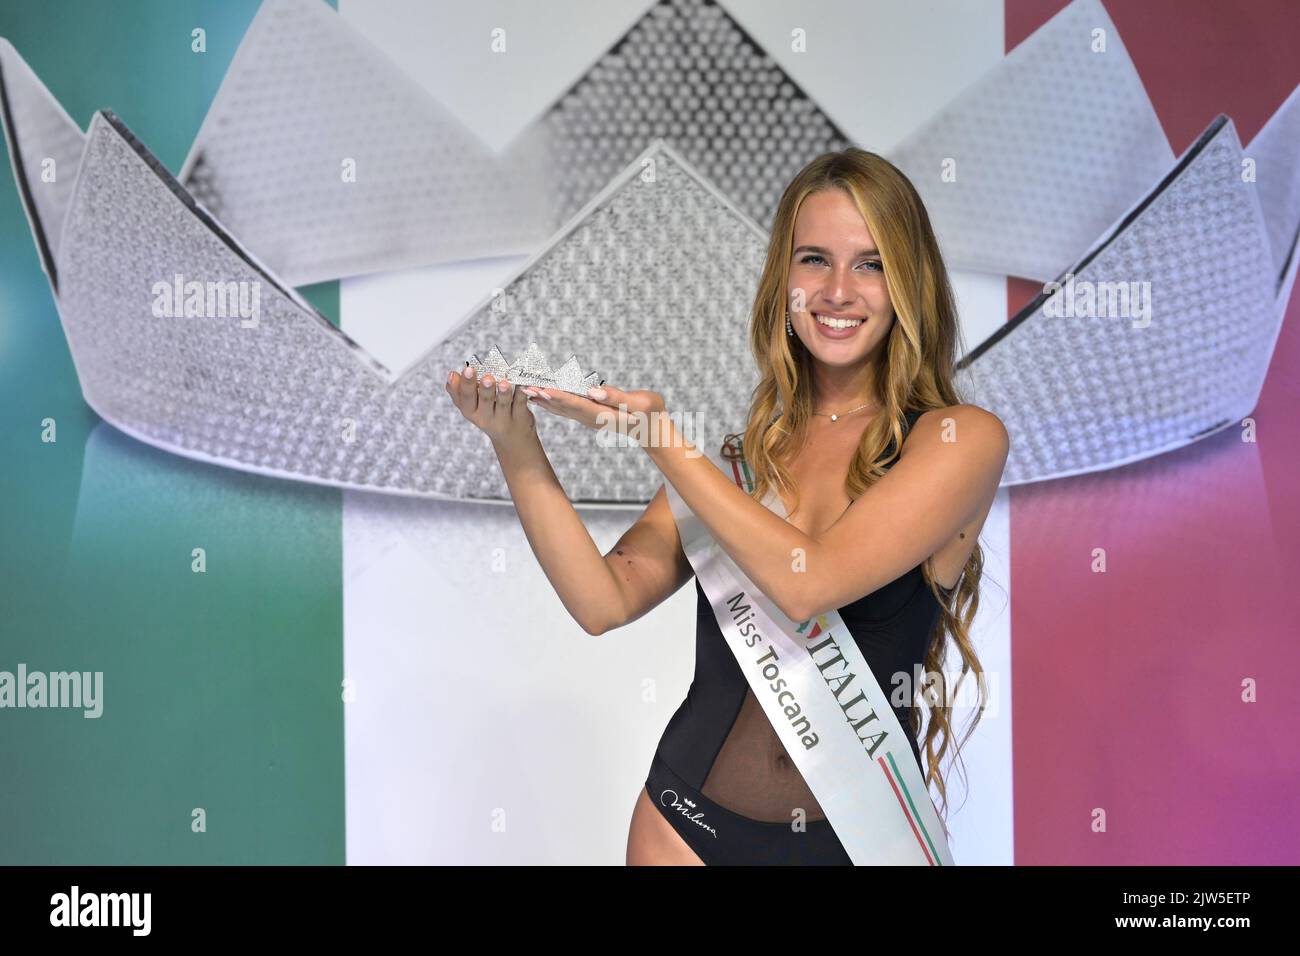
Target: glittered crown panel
305,84
45,148
291,395
620,284
1012,188
327,160
1141,349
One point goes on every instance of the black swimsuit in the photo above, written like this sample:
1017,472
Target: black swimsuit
720,775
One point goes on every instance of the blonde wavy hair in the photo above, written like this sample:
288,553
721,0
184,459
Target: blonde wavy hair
914,371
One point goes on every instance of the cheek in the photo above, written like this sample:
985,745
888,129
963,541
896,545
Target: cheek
882,332
878,296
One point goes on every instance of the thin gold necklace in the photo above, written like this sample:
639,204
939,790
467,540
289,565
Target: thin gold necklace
836,417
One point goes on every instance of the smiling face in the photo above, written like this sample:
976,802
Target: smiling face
837,267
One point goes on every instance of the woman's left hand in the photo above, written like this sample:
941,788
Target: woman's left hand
607,406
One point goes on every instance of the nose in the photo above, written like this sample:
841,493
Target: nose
838,291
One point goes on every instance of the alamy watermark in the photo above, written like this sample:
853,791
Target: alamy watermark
948,689
208,300
76,908
37,689
646,429
1089,300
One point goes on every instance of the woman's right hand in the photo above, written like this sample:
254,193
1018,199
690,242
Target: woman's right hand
500,409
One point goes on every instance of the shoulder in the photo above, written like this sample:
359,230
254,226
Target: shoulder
968,427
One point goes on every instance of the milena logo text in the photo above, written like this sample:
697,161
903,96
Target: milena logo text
208,300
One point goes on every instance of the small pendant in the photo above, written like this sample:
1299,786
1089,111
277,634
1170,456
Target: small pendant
835,418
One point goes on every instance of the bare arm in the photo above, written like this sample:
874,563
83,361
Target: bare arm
600,592
937,486
648,563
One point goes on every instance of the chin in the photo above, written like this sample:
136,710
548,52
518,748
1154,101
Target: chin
842,357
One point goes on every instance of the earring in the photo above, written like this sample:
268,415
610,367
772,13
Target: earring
789,329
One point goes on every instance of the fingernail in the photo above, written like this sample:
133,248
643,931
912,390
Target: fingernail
598,393
541,394
469,371
503,387
451,376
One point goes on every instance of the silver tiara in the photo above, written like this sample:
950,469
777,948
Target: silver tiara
530,368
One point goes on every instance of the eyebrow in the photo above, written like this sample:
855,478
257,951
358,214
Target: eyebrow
826,252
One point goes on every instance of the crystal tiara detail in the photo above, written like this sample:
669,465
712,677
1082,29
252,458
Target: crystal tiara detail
530,368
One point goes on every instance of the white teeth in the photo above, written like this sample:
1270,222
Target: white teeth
837,323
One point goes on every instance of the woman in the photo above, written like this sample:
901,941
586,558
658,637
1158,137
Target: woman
854,330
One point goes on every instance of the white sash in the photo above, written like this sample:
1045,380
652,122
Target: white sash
824,703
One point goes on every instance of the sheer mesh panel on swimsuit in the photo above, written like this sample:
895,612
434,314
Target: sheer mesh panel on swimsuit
754,776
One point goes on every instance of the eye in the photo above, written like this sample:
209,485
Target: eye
812,258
